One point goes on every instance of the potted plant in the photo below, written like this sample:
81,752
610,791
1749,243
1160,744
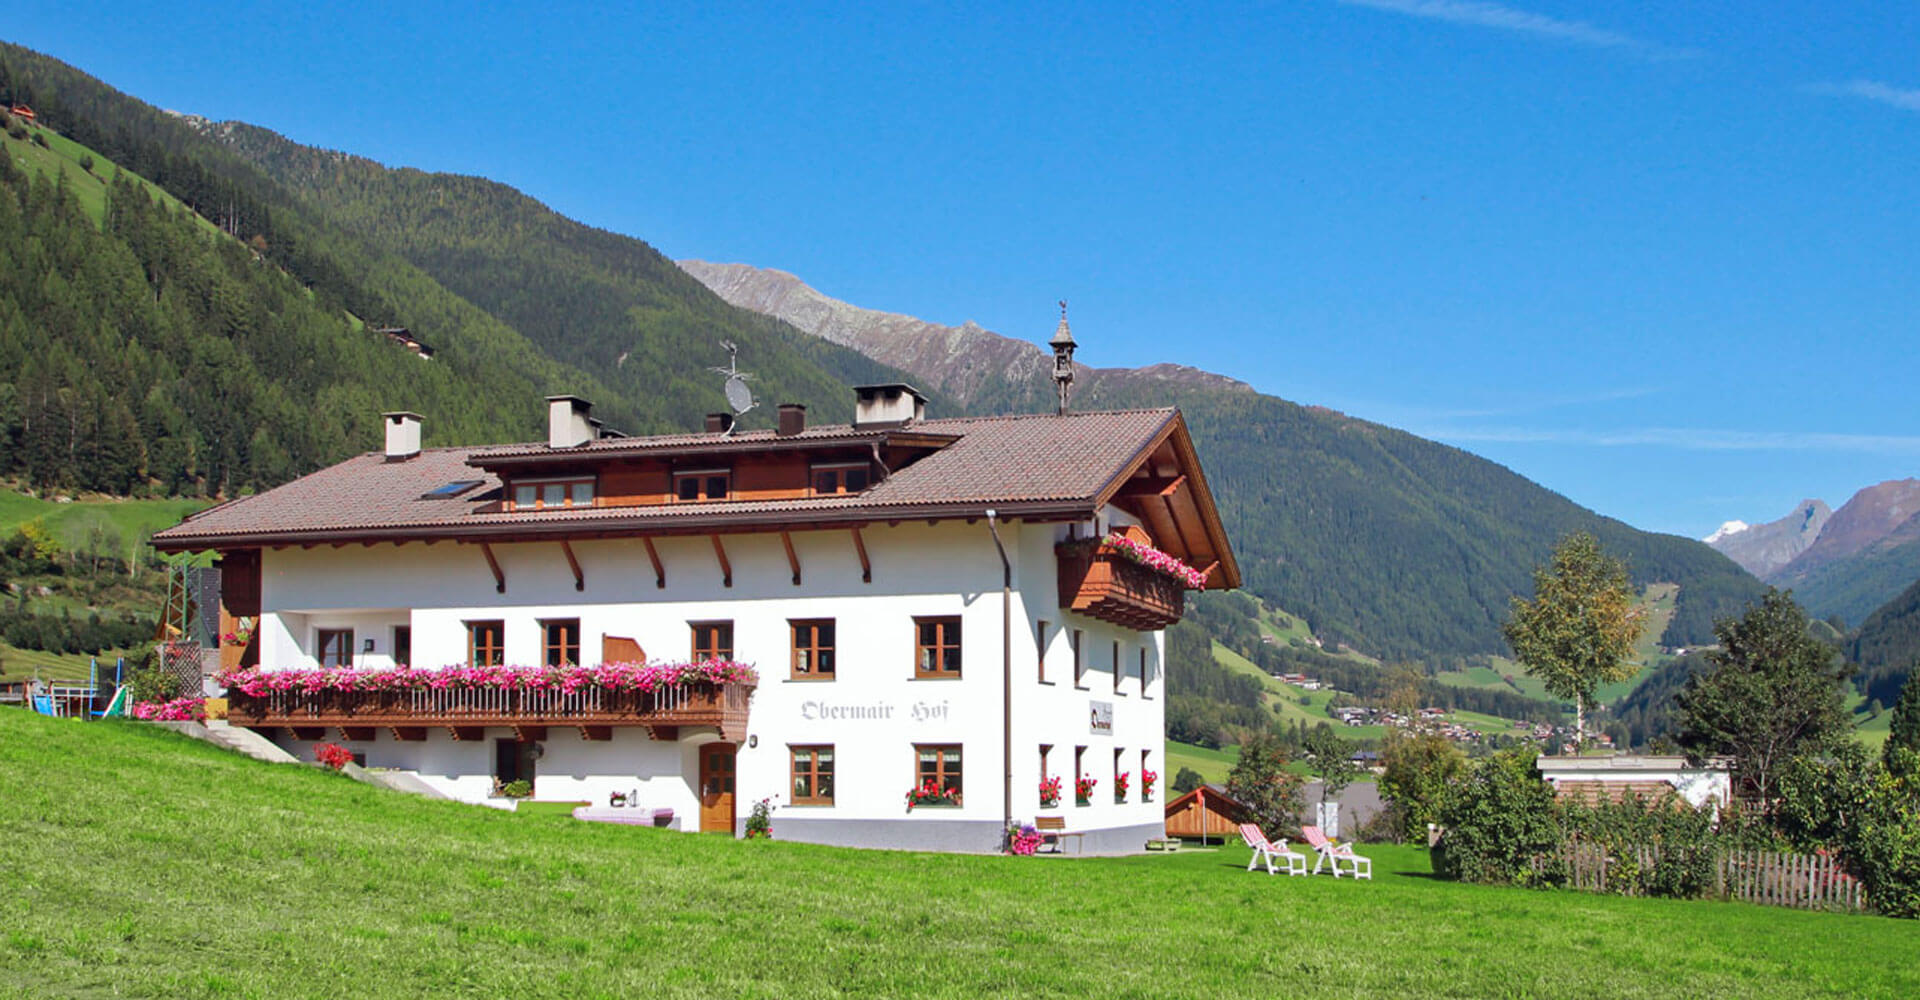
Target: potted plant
1049,792
1083,790
1120,782
519,788
1023,839
1147,780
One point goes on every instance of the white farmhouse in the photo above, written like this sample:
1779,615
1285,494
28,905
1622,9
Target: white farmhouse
953,609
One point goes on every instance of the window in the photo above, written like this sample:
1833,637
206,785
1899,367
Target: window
812,649
1143,670
1047,801
540,494
1040,647
1079,775
1146,794
560,642
486,644
712,641
450,490
1119,792
936,647
402,645
843,478
702,484
938,765
335,647
813,775
1116,665
1073,641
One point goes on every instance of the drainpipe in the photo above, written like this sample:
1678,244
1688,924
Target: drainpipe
1006,672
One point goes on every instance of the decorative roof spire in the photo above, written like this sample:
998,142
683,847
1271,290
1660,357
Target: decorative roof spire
1063,346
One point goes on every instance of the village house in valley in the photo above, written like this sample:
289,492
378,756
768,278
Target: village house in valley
956,608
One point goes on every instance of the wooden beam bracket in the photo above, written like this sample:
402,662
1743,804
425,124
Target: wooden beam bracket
793,561
860,546
579,580
659,571
726,568
499,577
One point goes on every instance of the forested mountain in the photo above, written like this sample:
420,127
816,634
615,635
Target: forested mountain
1887,646
145,352
606,303
1390,543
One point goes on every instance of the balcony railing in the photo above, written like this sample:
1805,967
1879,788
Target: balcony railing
1099,582
723,706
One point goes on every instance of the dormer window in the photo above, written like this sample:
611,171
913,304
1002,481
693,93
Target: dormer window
546,494
702,484
840,477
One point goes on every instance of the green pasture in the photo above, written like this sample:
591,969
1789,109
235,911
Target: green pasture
149,865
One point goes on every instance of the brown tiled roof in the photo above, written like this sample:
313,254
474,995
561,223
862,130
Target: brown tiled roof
1024,465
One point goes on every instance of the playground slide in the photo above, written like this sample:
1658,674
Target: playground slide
118,706
43,704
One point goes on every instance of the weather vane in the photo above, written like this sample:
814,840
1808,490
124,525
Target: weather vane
738,395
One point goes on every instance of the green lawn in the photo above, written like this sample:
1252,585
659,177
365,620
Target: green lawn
75,524
19,664
142,864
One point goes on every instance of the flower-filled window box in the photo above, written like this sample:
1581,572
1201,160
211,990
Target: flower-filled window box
930,794
1083,790
1119,580
1147,780
1120,782
1049,792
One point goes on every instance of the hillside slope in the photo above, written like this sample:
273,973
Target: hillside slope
598,300
1387,542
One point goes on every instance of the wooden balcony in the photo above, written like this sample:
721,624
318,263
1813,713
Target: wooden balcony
1114,589
594,710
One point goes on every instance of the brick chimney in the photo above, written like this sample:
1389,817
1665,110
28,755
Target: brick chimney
793,419
403,435
719,423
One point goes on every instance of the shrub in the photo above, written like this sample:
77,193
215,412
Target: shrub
1685,845
1501,824
518,788
760,820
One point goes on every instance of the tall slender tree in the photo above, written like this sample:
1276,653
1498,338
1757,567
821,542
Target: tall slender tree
1578,631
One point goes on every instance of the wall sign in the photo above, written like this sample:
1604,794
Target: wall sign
919,711
1102,716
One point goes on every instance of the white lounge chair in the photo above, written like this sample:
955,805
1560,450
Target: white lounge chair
1271,851
1332,854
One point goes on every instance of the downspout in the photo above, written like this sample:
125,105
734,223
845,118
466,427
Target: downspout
1006,672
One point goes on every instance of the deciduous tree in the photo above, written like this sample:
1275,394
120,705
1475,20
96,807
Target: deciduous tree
1261,781
1578,631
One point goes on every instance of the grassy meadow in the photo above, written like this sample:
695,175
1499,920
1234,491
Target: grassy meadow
143,864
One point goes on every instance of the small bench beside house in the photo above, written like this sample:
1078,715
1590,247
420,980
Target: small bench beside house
1053,830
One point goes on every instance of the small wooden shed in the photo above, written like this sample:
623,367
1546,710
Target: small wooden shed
1207,811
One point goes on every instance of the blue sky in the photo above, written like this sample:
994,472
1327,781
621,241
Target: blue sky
1660,258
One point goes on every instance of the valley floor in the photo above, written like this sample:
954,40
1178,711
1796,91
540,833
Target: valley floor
140,863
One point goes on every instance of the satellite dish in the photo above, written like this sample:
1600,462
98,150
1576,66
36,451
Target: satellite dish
738,395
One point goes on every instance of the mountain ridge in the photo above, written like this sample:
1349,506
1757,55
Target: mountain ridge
974,365
1365,531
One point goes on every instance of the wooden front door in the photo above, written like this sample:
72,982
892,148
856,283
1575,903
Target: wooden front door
716,788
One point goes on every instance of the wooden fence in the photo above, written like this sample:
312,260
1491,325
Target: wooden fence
1771,878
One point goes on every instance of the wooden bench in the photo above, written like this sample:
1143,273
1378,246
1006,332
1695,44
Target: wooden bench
1053,829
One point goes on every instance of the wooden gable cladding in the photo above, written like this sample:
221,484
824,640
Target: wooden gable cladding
1167,491
779,476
